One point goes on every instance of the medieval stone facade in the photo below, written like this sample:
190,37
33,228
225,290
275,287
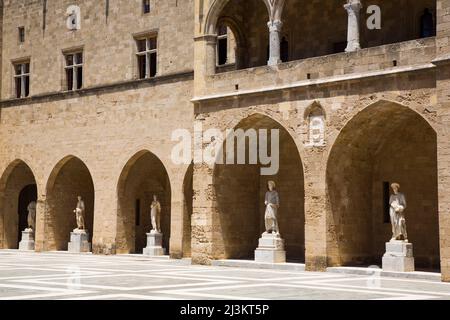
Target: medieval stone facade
350,123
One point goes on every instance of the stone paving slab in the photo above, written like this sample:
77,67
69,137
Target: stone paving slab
63,276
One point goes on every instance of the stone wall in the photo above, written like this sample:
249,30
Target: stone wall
106,39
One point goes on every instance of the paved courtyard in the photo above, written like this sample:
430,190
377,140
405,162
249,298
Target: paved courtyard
67,276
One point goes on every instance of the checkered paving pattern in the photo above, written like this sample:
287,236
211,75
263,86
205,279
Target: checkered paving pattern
87,277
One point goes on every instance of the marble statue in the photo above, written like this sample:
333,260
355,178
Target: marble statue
79,211
156,215
397,203
31,216
272,203
73,15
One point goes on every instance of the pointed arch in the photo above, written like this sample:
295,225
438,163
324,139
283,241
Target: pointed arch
69,179
386,142
143,176
239,191
18,188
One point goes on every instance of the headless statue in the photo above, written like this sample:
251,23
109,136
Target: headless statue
155,212
31,219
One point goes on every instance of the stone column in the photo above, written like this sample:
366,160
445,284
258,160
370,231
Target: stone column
204,61
353,8
274,42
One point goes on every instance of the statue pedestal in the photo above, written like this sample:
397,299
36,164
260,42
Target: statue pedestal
79,242
398,257
27,242
270,249
154,244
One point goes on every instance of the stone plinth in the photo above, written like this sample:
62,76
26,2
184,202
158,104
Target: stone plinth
27,242
154,244
270,249
79,242
398,257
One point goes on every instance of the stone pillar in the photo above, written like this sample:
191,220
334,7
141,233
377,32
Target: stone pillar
41,225
204,60
274,42
317,211
442,63
353,8
177,222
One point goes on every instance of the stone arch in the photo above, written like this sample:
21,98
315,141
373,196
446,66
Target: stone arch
214,12
385,142
143,176
69,179
239,197
17,189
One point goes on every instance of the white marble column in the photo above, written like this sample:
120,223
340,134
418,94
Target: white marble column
353,8
274,42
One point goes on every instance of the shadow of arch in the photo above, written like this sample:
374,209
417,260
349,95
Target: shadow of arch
385,142
240,190
143,176
188,195
69,179
17,189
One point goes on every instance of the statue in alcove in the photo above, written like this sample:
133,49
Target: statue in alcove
31,219
397,203
79,212
155,212
272,202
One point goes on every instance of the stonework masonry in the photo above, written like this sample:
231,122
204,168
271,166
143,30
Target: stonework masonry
386,109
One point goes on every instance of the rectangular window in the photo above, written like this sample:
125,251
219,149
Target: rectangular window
147,58
137,210
146,6
74,71
22,79
386,204
21,34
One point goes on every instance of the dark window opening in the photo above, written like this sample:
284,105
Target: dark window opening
427,28
223,51
21,34
339,47
386,204
284,50
146,6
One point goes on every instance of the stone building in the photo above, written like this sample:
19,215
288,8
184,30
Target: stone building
92,92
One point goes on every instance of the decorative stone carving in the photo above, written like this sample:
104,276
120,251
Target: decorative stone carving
31,219
315,117
79,212
271,245
274,42
155,212
353,8
73,15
